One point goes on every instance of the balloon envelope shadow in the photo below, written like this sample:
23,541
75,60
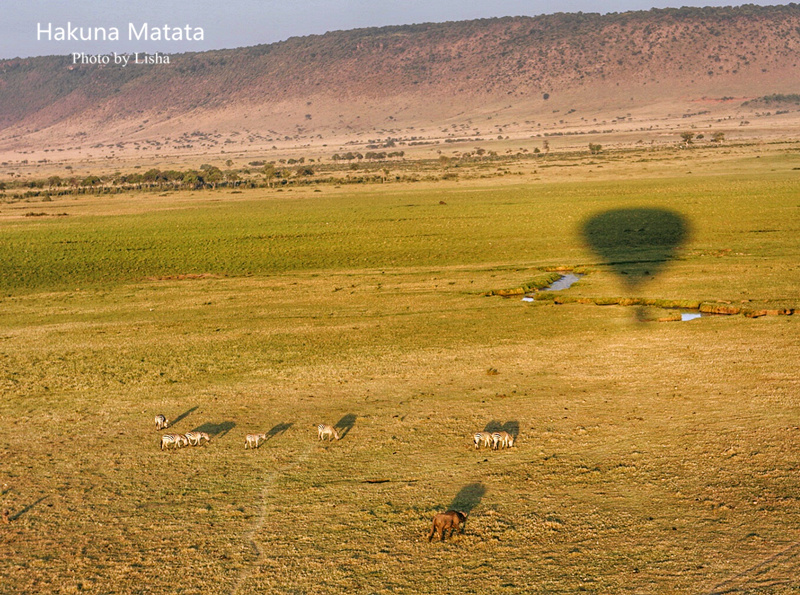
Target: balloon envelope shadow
636,243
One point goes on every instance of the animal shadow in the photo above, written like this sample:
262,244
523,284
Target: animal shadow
216,430
468,497
183,415
493,426
344,425
512,427
279,429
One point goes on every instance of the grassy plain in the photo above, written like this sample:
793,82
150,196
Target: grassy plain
651,458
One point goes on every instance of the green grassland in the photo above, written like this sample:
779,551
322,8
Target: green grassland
652,457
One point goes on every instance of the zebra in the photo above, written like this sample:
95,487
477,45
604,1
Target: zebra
327,432
174,440
161,422
194,438
253,440
482,438
503,439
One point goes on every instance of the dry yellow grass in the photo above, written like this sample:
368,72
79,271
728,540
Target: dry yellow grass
651,457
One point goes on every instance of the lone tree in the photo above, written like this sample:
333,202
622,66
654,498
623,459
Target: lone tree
269,173
688,137
595,149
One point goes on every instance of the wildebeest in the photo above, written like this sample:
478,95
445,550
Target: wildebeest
452,520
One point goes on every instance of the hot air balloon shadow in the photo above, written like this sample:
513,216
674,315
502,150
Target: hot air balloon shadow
636,243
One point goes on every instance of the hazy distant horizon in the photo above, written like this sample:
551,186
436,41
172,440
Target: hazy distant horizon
240,23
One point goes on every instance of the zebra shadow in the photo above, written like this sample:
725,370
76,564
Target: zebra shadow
468,497
183,415
512,427
279,429
216,430
344,425
26,509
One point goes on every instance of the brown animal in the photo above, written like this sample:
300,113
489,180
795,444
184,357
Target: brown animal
6,515
452,520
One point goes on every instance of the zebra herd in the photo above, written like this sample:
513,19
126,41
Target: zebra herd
493,440
181,440
451,520
251,441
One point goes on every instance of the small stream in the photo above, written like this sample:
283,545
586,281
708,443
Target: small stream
565,282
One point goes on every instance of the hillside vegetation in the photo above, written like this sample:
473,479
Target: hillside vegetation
401,80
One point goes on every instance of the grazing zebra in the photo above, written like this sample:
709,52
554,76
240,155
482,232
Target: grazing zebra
452,520
252,440
194,438
174,440
326,431
484,438
503,439
161,422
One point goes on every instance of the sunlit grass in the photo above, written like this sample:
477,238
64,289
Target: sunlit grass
274,233
651,457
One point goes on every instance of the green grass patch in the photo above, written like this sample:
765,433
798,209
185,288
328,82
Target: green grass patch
650,457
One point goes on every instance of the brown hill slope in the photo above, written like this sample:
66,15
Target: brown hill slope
411,80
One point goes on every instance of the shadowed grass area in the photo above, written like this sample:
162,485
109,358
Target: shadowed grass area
649,457
636,243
